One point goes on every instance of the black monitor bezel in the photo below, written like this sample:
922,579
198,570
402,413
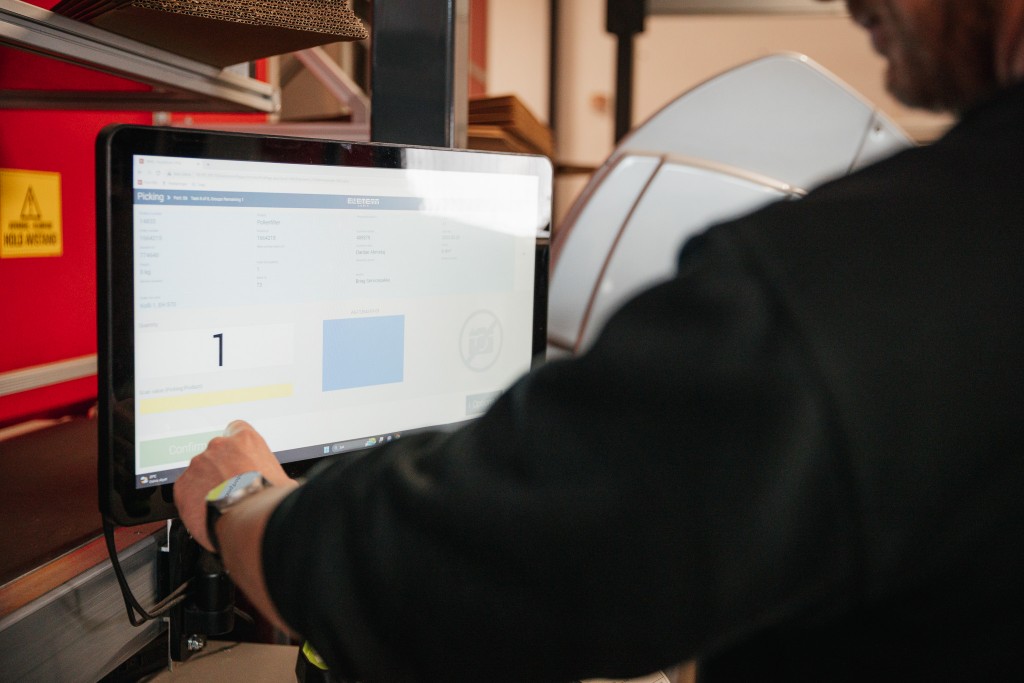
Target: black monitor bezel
120,501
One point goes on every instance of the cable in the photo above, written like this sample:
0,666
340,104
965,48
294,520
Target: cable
209,653
176,597
247,618
137,615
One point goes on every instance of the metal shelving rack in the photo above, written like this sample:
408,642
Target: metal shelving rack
178,83
419,60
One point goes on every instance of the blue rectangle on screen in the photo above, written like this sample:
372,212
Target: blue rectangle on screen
363,352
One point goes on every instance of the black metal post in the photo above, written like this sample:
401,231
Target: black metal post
419,68
625,19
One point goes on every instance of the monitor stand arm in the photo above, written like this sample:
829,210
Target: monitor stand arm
209,608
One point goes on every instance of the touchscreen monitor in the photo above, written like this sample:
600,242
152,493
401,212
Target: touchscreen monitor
338,296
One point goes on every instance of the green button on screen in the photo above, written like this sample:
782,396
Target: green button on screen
174,450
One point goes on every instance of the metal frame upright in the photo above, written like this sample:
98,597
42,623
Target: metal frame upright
419,72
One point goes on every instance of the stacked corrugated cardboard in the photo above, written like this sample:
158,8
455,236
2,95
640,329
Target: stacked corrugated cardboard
222,32
504,124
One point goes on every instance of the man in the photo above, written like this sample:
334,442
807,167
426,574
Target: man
801,459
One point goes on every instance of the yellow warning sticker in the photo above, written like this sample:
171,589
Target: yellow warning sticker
30,214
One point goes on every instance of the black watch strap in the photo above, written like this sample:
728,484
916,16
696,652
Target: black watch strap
212,515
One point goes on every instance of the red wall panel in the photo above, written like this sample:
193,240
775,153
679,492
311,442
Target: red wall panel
48,304
477,48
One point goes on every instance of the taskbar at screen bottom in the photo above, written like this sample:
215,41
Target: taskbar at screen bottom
305,453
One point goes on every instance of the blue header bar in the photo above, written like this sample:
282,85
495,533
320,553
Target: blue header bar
279,200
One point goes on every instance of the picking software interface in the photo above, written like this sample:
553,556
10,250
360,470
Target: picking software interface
331,307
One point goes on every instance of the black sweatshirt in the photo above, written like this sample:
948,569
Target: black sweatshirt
800,459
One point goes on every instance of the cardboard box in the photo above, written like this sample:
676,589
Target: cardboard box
222,32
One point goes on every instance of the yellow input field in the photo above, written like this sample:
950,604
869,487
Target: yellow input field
150,406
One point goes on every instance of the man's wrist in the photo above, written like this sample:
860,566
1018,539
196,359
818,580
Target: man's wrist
241,532
227,494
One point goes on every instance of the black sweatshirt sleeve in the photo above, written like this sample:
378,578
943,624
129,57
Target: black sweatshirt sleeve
652,500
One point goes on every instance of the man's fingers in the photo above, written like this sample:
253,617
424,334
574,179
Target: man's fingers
236,426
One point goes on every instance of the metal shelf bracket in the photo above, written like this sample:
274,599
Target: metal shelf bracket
179,83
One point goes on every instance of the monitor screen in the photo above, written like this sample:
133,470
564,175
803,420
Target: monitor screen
338,296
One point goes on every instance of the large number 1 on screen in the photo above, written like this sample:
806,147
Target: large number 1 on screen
220,348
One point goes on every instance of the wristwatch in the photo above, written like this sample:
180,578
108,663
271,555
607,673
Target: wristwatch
226,494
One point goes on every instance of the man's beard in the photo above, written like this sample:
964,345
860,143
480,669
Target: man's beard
950,70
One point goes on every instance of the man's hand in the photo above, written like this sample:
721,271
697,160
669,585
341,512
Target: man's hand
241,449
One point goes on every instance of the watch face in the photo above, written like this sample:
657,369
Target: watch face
234,488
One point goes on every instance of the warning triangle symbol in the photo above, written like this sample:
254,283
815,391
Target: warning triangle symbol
30,210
